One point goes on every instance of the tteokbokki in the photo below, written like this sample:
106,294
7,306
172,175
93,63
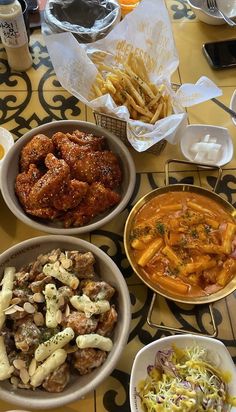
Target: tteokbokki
184,242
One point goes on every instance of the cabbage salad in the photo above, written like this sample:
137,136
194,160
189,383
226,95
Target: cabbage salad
183,380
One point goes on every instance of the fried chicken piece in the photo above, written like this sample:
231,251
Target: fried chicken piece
24,183
107,321
57,380
27,335
88,139
87,165
82,263
84,360
35,151
98,290
48,213
55,189
98,200
71,195
80,323
50,184
98,167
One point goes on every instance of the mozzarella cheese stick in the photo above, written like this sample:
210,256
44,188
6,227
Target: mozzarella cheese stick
55,360
85,304
52,305
58,341
5,368
6,292
56,270
93,340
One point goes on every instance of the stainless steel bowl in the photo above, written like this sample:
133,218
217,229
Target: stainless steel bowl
222,293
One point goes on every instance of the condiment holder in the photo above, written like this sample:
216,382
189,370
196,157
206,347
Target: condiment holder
207,144
6,142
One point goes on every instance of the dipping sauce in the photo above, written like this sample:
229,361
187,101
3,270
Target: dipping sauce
185,243
2,151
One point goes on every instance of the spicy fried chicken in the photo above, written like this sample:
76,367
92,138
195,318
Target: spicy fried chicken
89,165
72,177
35,151
97,200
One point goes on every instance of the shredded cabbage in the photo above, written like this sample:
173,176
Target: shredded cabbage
183,380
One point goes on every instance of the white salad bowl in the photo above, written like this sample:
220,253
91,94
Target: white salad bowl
217,355
196,133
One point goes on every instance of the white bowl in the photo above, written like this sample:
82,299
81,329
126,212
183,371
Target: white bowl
10,169
233,105
195,132
78,387
218,354
199,7
6,141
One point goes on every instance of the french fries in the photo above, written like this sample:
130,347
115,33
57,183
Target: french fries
131,87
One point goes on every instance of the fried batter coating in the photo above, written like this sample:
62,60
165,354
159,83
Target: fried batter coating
55,188
96,290
58,379
97,200
27,335
87,165
82,264
107,321
87,359
88,139
24,183
80,323
35,151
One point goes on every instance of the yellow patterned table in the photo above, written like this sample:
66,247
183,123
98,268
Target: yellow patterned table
36,97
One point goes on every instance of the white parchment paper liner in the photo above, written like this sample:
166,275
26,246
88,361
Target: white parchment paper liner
147,32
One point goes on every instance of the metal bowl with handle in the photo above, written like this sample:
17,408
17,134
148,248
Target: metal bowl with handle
158,290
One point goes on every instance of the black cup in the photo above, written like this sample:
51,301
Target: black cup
24,7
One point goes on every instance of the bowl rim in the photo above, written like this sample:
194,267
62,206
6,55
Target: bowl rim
19,212
6,140
86,31
166,342
232,105
209,15
214,127
121,342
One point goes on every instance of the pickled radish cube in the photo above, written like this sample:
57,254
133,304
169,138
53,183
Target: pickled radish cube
200,157
213,155
206,138
205,147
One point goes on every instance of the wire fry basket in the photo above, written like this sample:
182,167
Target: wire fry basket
119,128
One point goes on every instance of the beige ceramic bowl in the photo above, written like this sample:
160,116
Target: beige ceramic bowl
79,386
199,7
10,169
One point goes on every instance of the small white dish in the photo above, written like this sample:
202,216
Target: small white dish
6,142
233,105
200,9
218,354
195,133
